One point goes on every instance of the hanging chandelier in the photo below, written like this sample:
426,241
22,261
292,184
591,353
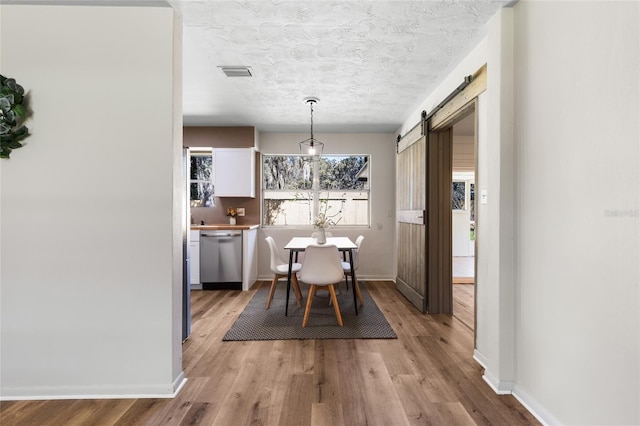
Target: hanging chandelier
311,146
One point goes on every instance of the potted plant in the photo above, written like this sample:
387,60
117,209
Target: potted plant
322,223
13,113
232,213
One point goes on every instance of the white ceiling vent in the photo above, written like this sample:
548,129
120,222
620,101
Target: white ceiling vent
237,71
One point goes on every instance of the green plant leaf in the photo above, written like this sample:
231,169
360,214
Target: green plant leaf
5,152
20,111
5,104
22,132
10,117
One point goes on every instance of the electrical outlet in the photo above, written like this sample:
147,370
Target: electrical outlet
240,211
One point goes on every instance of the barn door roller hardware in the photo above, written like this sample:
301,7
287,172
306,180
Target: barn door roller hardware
425,117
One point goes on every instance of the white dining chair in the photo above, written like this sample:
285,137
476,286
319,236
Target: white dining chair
281,270
321,268
346,267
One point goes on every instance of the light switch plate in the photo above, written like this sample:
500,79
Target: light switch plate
483,196
240,211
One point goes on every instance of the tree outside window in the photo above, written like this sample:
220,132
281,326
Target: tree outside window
297,188
458,195
200,180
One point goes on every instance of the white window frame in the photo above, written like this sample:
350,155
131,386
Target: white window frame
200,152
316,191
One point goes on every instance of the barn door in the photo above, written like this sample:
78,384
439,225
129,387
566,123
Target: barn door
439,245
423,199
410,215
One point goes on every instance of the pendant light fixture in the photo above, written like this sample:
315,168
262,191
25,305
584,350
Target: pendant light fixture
311,146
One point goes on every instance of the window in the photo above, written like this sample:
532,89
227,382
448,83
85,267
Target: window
296,188
201,178
472,204
463,192
458,195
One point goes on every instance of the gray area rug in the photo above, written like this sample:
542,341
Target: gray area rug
257,323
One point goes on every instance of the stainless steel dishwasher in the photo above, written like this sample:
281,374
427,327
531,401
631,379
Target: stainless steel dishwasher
221,259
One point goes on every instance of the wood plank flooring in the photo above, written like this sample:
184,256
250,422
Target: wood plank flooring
426,376
463,304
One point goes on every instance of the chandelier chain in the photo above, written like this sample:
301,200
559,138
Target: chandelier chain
311,146
311,104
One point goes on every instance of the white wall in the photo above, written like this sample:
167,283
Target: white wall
463,155
577,134
460,233
558,305
495,328
377,259
91,257
179,200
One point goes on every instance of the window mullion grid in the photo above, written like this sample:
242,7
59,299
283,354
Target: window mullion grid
316,186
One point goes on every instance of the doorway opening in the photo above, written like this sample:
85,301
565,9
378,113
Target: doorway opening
463,220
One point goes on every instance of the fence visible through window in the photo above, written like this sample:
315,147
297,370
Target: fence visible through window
296,188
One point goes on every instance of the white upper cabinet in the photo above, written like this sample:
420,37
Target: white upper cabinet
234,171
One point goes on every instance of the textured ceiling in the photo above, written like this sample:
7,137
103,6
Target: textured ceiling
370,63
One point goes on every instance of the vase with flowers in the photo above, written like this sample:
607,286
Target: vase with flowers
232,213
322,223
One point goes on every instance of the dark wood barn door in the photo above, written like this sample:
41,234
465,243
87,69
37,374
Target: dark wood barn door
411,206
423,199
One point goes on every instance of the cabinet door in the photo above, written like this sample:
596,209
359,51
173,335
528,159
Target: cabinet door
234,171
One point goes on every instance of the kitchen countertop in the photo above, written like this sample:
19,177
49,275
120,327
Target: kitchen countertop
224,227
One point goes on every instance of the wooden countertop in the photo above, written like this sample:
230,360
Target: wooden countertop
223,227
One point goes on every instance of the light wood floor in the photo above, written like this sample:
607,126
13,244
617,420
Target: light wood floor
463,304
426,376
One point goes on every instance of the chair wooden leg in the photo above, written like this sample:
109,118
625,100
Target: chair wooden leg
296,288
332,290
272,290
307,311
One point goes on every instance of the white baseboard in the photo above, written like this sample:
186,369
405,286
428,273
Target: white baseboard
178,384
538,411
506,388
500,387
480,358
86,392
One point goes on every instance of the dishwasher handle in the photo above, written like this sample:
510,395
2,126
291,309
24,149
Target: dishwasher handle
221,235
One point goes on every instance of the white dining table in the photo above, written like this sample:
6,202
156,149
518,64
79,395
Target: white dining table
298,244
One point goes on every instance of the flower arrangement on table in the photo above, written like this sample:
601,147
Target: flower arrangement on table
322,222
